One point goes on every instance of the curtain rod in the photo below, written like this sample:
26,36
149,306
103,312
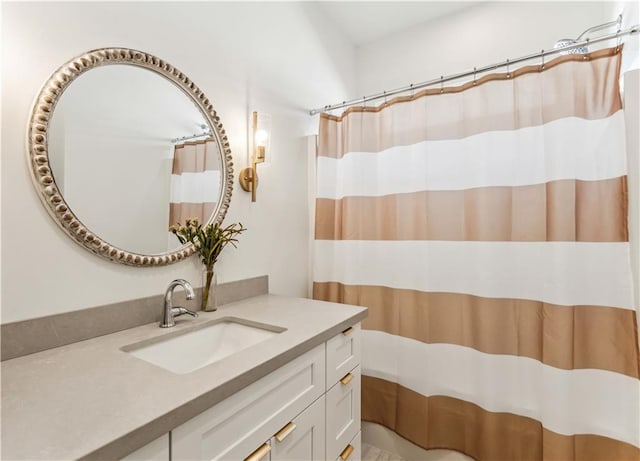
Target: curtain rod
621,33
205,132
193,136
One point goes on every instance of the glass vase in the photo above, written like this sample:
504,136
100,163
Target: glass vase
208,300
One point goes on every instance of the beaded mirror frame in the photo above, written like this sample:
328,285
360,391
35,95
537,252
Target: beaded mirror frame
38,154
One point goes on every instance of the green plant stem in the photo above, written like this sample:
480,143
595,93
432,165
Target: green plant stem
206,288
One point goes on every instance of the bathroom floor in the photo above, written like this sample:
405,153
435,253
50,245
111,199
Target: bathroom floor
372,453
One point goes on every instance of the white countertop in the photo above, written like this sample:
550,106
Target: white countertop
92,400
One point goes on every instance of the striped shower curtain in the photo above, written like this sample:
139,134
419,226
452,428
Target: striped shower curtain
485,227
195,181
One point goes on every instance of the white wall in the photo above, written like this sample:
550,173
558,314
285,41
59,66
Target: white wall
282,58
484,34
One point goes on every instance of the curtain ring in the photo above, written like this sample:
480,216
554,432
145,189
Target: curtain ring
385,96
618,40
441,84
411,86
542,66
508,73
474,75
584,56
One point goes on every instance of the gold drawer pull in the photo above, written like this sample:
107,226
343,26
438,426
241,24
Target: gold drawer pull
347,378
259,453
346,453
285,431
348,331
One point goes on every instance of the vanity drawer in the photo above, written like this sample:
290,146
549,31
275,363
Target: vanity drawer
353,451
343,354
239,425
303,438
343,413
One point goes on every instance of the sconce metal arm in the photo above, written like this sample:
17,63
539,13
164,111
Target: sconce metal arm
249,179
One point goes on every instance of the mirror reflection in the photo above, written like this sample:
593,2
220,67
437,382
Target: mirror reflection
132,154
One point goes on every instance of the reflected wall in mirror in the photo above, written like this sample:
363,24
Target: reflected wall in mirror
123,151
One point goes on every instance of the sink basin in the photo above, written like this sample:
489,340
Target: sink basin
187,351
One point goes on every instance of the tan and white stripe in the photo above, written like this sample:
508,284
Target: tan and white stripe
486,229
440,421
559,336
569,148
564,210
564,401
195,181
497,103
567,273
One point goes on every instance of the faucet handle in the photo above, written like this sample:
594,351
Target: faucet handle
177,311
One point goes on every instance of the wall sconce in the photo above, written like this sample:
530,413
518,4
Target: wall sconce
261,127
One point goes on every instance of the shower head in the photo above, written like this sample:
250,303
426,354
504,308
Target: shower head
566,42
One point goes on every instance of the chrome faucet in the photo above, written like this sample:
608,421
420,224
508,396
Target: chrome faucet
169,312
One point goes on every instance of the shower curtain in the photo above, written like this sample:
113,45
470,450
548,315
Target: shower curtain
485,228
195,181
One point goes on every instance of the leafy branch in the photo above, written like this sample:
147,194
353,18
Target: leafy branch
209,240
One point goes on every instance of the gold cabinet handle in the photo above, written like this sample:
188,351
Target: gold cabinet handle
346,453
285,431
259,453
348,331
347,378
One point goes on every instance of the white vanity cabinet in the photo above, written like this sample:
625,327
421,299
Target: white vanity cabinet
343,413
343,354
240,424
343,400
303,438
294,413
353,451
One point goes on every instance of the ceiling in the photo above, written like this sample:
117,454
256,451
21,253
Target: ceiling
365,22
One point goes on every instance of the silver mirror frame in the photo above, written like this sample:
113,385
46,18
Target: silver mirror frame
38,155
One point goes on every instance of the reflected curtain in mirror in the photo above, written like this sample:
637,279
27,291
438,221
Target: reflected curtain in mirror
485,228
195,181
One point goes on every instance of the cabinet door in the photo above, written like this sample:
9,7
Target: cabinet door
343,413
353,451
263,453
234,428
302,438
343,354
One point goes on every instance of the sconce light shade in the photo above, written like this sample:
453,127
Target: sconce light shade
261,137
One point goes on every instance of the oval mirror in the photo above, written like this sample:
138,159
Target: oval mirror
120,153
